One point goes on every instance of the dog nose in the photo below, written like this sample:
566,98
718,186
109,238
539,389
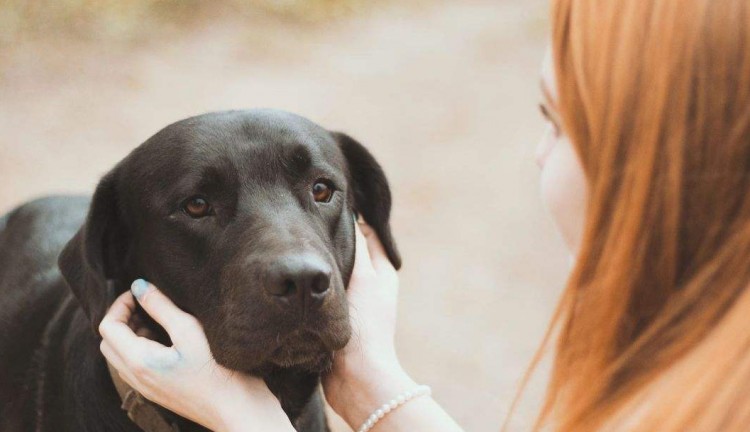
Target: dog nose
301,281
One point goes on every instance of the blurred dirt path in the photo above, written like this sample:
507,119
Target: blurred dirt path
445,96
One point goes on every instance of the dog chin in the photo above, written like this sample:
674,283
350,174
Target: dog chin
313,361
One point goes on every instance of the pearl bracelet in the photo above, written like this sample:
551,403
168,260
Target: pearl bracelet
392,405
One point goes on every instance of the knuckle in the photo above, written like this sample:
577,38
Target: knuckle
183,329
191,322
367,230
145,388
140,369
103,327
148,384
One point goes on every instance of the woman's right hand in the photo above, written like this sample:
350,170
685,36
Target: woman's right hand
184,377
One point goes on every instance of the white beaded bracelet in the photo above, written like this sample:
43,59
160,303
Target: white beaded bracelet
392,405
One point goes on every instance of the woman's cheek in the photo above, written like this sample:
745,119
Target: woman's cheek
564,190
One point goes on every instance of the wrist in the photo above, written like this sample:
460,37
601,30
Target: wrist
364,387
251,410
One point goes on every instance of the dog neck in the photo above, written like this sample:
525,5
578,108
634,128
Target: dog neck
140,411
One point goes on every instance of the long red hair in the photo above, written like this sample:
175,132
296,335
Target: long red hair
653,328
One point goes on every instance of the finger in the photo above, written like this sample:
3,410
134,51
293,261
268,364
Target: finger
122,309
125,343
114,326
116,331
131,380
160,308
375,248
111,355
362,259
124,370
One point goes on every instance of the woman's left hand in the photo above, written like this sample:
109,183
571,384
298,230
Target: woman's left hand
185,378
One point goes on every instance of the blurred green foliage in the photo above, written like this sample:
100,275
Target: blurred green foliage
135,19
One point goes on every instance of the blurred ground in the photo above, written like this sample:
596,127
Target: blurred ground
443,92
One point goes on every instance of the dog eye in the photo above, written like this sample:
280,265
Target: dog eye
197,207
322,192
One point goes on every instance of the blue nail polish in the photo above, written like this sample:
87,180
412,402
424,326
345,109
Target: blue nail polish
139,288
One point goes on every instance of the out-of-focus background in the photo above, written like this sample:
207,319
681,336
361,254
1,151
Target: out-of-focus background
443,92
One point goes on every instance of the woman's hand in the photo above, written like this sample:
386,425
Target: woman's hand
184,378
367,373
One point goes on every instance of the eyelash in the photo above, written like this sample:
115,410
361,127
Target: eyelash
548,116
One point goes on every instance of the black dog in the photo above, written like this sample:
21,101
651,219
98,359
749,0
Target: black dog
244,219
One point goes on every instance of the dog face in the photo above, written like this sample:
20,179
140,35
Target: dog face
245,220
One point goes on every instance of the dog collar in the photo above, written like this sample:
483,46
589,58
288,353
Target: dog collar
140,411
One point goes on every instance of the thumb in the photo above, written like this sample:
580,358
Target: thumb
161,308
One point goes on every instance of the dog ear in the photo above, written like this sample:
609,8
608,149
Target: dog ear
91,259
370,192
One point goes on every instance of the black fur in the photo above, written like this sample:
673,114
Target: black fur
256,167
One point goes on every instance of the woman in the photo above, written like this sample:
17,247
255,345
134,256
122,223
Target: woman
646,170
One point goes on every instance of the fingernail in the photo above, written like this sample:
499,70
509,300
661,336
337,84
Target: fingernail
139,288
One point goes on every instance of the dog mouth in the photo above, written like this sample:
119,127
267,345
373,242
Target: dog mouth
309,360
304,351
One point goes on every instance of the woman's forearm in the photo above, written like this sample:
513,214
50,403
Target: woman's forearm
419,414
244,422
249,413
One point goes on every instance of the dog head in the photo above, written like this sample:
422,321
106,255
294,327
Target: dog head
245,220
